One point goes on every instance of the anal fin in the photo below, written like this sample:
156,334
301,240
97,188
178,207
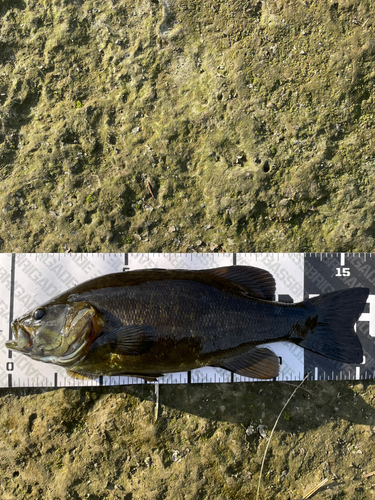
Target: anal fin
260,363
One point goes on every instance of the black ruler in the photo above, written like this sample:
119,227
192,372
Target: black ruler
338,271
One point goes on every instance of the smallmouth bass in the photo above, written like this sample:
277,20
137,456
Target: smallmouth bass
147,323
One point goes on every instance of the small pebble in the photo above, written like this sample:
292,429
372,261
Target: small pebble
250,430
261,431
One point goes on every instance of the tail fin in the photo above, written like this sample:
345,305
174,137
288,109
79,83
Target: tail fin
330,329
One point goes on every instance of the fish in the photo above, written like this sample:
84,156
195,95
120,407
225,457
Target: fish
147,323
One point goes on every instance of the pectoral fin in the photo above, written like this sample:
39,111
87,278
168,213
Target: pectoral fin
148,378
257,363
130,340
82,376
91,376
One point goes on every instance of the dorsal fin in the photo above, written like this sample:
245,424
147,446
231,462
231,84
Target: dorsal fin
259,283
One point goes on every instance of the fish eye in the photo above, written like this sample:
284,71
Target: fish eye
39,313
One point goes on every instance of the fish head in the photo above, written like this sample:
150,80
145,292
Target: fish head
57,333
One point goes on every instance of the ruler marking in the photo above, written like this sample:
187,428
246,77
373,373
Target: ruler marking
11,302
342,259
11,306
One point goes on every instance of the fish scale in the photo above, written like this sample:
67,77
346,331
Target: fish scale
211,313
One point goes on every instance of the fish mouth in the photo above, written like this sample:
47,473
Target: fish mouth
23,337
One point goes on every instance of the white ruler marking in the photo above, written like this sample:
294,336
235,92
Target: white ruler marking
342,259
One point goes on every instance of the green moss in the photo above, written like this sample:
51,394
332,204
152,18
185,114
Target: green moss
272,100
287,89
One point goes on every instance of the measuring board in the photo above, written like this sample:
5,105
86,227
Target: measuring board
29,280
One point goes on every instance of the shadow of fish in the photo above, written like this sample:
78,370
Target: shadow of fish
147,323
